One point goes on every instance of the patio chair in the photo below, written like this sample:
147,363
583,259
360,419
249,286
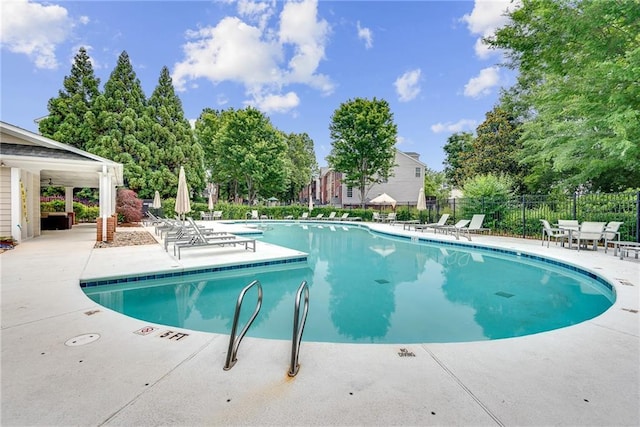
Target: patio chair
391,218
456,228
344,217
549,233
186,232
589,231
253,214
319,216
442,222
376,217
216,215
611,233
305,215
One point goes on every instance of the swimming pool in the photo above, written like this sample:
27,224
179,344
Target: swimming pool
368,287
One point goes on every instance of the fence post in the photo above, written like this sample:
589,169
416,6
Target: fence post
638,217
575,201
524,219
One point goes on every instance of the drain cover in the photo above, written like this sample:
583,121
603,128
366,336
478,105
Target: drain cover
82,340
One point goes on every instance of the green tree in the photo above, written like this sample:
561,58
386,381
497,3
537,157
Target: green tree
363,137
171,142
456,148
66,120
253,153
116,118
578,68
302,159
435,184
495,149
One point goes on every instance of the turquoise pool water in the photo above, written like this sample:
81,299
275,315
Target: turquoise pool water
372,288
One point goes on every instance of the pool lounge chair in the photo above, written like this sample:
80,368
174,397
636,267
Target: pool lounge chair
442,222
456,228
186,233
305,215
200,240
319,216
332,215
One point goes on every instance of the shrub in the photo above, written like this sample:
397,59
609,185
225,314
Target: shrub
128,206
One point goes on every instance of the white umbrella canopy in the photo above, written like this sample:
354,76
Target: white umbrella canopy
422,201
157,203
183,203
383,199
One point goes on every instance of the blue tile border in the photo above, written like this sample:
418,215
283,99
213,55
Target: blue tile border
164,275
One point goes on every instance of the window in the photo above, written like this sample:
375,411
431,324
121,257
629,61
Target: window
349,191
418,172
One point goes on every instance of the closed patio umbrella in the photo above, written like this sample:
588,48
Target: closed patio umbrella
210,201
422,201
183,203
157,203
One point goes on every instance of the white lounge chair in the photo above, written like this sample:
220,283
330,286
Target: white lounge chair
376,217
442,222
455,229
305,215
319,216
253,214
549,233
200,240
332,215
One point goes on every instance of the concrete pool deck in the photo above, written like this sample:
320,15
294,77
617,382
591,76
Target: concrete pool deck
587,374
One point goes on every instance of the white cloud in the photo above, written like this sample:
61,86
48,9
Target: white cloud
408,85
481,85
458,126
34,29
275,103
365,34
485,18
256,11
256,56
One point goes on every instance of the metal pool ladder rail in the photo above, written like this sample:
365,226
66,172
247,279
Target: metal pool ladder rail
298,327
234,342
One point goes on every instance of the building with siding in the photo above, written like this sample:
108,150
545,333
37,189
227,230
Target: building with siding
403,186
29,161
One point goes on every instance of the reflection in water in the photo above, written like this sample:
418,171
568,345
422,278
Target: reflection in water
369,288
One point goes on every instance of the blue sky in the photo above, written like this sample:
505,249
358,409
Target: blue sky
295,61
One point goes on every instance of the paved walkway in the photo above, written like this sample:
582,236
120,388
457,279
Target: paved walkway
587,374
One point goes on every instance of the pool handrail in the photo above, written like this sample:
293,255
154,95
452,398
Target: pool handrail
298,327
234,342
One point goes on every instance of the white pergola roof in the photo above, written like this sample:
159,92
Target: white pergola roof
56,163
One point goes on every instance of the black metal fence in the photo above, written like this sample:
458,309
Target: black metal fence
520,216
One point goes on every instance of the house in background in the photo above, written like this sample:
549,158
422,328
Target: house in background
403,186
29,161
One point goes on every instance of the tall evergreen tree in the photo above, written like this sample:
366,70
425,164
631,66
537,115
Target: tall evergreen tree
170,141
496,148
66,121
117,119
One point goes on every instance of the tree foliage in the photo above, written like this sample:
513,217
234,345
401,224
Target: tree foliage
302,163
66,120
495,149
245,150
363,136
456,149
579,65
